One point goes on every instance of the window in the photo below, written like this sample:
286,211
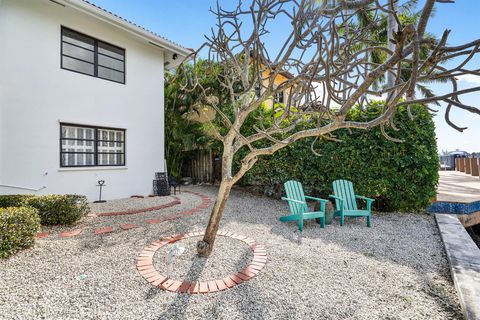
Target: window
86,146
258,90
84,54
279,97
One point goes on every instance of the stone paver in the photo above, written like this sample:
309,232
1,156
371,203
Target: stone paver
137,211
42,235
128,226
206,201
103,230
72,233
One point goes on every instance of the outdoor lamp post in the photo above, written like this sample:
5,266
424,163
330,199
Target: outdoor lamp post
101,184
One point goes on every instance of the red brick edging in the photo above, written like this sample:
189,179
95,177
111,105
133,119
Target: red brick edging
136,211
205,204
147,270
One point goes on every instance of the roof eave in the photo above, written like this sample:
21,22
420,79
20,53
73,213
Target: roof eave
125,25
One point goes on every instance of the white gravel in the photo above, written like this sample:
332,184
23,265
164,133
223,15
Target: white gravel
127,204
228,257
395,270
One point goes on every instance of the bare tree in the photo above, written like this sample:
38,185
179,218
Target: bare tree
326,54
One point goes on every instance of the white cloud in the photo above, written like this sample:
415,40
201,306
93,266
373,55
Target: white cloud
469,78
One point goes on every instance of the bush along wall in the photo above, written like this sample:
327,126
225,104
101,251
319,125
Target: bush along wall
14,200
18,227
58,209
400,176
53,209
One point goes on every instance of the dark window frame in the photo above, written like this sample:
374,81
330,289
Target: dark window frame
258,90
96,53
279,97
95,141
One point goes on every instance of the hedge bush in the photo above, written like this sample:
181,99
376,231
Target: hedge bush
59,209
400,176
14,200
18,227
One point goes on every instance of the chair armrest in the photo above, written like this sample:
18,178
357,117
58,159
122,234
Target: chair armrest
317,199
341,201
365,198
335,197
293,200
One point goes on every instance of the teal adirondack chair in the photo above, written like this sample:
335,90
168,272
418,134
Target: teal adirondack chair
346,202
297,201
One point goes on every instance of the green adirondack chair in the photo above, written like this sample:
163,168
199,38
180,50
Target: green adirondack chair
297,201
346,202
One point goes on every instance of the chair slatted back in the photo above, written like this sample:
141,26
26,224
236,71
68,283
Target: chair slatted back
344,190
294,190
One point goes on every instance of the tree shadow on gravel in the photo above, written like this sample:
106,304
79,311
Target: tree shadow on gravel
391,239
178,307
248,301
391,246
248,298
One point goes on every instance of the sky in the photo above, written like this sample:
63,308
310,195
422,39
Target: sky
187,21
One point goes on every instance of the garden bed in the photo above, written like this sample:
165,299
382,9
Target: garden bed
395,270
132,205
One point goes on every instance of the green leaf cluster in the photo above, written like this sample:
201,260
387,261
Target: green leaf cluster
400,176
181,134
14,200
54,209
18,227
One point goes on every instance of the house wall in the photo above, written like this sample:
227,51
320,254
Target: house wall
36,95
279,79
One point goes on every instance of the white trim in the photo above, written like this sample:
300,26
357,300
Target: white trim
129,27
24,188
98,168
93,124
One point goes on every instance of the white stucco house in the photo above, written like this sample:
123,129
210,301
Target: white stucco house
81,100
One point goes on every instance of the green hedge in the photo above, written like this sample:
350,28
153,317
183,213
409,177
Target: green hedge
53,209
59,209
14,200
18,227
401,176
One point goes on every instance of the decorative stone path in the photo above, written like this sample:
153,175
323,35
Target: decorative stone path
147,270
72,233
206,201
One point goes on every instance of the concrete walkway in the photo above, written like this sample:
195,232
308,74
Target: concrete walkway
458,187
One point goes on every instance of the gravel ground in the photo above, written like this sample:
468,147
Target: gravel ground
188,266
129,204
395,270
89,224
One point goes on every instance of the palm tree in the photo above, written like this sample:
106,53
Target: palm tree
378,28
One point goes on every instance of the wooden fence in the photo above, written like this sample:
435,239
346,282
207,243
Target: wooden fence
203,166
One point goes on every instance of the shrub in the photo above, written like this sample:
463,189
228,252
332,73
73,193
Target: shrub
59,209
18,227
400,176
14,200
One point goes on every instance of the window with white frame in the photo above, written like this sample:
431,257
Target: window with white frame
87,146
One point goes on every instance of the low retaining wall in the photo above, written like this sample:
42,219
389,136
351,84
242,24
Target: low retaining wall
464,259
467,212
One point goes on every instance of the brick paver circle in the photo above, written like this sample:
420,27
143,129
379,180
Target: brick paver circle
146,268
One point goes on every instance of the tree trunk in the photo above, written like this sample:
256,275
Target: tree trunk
205,246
